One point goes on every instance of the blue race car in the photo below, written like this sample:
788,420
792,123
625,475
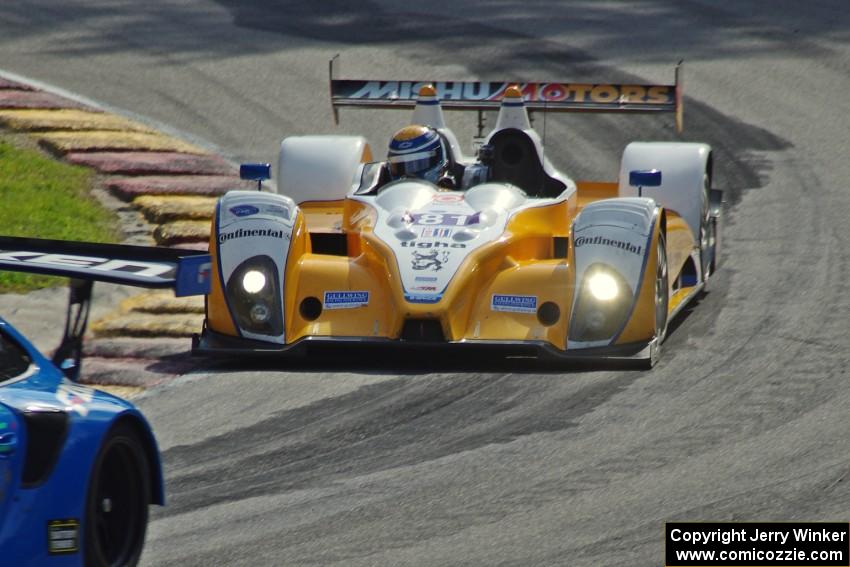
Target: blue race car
78,467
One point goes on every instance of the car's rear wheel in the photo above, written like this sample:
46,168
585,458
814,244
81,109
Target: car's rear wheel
661,290
117,501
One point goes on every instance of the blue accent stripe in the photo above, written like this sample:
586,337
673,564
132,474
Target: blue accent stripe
426,141
428,102
513,103
425,298
413,298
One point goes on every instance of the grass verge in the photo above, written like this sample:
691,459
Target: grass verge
44,198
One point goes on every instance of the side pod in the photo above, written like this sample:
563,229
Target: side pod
614,242
251,241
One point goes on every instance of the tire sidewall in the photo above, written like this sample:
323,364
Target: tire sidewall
119,434
661,258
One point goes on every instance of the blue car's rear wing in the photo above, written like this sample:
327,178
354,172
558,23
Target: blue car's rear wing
186,271
538,96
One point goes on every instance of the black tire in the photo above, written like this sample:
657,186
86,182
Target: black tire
117,501
712,245
706,228
662,293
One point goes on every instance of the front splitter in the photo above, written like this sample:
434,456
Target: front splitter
212,344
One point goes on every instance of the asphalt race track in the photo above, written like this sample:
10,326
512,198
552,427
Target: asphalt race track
350,460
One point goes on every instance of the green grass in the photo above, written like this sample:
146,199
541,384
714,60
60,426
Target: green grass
44,198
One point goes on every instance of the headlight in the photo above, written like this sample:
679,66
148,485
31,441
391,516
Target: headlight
603,305
253,281
254,296
260,313
603,286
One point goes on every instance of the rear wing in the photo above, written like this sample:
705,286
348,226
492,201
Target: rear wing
185,271
538,96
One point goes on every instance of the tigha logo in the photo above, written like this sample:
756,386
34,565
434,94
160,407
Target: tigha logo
622,245
432,244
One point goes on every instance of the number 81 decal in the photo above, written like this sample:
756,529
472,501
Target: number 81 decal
440,219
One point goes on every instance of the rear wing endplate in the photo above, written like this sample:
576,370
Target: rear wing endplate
538,96
185,271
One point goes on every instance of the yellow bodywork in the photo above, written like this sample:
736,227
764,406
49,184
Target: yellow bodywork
523,261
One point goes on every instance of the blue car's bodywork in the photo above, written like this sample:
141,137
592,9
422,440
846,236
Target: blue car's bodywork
67,450
44,486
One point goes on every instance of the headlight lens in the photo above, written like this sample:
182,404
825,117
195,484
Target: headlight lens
253,281
603,286
260,313
254,296
603,305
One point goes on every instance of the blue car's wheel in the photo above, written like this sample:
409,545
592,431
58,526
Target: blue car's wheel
117,502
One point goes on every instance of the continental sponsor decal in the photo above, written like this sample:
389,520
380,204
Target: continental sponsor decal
247,232
601,240
531,92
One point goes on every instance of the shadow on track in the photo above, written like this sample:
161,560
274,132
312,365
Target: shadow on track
394,424
401,359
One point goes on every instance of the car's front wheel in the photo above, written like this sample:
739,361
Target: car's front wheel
117,502
661,290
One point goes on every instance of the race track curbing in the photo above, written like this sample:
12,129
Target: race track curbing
160,209
27,119
172,183
61,143
151,163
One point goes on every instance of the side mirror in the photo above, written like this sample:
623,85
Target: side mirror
255,171
258,172
645,178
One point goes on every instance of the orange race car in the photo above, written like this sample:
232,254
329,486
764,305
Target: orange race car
430,246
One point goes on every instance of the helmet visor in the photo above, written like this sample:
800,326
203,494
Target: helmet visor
413,164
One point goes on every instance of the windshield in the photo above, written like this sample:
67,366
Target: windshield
14,360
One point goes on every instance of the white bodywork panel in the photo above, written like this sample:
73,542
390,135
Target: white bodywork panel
615,232
319,168
428,113
683,168
432,232
251,223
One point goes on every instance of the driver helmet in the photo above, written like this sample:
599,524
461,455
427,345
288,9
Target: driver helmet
417,151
